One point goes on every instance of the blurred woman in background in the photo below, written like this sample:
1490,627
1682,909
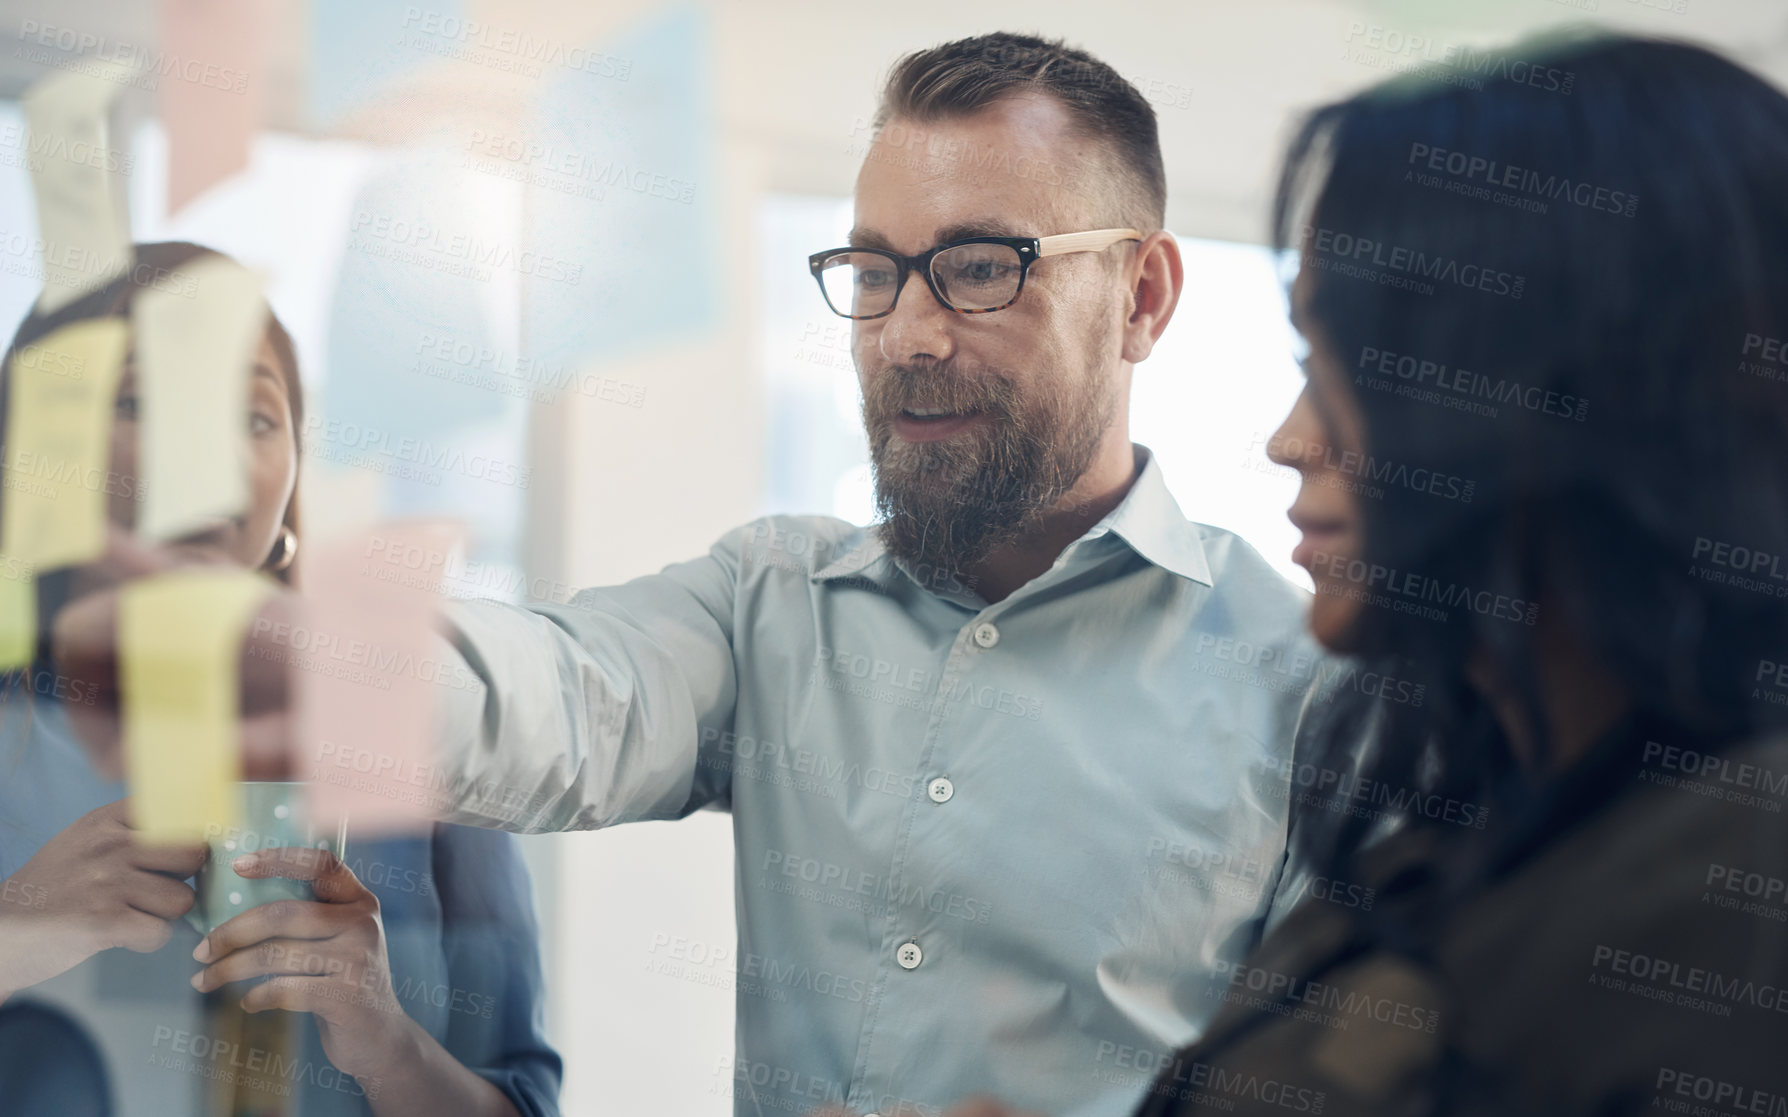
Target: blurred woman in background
418,988
1560,291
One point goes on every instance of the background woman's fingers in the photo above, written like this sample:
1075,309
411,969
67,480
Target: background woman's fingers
141,932
178,860
984,1107
332,881
293,994
278,957
281,919
157,895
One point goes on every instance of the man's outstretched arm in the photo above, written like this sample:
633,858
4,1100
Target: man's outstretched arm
588,714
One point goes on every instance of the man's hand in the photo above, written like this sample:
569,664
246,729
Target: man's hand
91,887
84,645
325,957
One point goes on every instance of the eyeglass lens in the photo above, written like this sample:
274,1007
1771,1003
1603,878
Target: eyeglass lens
969,276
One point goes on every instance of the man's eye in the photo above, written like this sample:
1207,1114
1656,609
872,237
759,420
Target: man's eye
983,272
873,278
260,423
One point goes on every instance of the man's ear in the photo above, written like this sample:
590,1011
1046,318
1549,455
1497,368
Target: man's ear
1156,276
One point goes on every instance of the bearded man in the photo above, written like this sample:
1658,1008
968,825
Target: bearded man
1009,803
1012,771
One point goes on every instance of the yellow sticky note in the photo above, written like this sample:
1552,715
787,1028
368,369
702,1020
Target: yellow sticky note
81,214
196,340
18,614
179,643
58,443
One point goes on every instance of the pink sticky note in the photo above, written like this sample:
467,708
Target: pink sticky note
211,98
369,671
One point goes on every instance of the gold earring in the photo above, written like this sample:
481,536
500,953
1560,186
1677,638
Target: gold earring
285,549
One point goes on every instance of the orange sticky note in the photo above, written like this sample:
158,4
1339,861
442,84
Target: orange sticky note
58,443
367,684
211,116
81,215
179,645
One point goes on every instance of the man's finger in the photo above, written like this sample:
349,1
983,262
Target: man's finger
268,746
84,643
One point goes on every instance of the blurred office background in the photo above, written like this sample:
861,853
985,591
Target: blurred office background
570,237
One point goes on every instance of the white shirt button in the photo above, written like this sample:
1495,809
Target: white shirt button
941,789
909,955
986,635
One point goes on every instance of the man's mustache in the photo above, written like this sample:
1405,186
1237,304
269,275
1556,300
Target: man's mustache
949,386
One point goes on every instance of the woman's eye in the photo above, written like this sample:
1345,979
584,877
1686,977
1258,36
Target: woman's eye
261,423
126,407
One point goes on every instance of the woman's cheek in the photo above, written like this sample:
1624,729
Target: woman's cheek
271,479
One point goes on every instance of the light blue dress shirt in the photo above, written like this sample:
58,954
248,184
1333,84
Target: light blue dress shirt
1004,848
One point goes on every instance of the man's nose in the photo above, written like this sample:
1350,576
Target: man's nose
919,325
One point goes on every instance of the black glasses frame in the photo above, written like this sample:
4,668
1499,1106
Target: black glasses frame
1029,249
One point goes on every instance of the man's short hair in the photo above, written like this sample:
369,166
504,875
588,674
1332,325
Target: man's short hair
962,77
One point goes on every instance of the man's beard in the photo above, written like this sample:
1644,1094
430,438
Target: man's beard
947,505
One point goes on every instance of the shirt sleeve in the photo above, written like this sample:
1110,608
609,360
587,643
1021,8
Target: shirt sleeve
589,714
491,940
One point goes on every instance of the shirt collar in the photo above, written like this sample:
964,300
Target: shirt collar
1148,519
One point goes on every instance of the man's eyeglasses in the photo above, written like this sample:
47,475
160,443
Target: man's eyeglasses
970,276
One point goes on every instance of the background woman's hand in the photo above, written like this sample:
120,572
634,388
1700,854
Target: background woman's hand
325,956
91,887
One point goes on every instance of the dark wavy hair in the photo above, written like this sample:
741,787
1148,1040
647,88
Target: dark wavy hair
1596,261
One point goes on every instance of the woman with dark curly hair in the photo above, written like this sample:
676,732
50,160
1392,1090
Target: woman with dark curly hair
1544,451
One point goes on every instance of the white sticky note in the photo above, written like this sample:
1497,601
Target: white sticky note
196,340
81,214
58,443
179,650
